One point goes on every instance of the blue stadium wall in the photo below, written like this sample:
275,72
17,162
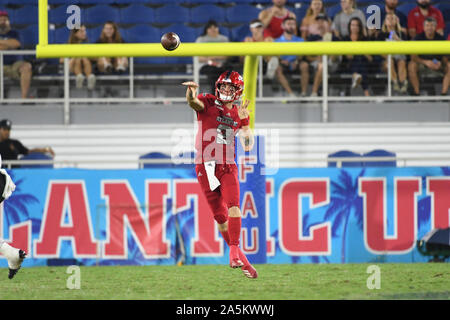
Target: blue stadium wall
313,215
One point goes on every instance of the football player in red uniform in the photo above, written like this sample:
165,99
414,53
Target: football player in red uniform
219,120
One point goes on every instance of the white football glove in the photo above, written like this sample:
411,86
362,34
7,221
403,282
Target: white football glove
9,185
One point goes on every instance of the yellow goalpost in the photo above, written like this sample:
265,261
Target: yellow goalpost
251,51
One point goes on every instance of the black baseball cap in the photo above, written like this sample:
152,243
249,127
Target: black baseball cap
5,123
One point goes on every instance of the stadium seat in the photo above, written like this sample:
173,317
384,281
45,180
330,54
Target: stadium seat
132,1
93,34
171,13
136,13
300,13
156,155
36,156
25,15
239,33
96,2
345,154
213,11
379,153
62,35
100,14
242,13
447,30
333,10
199,1
19,2
160,2
59,15
58,2
405,8
143,33
263,2
445,9
225,31
186,33
29,37
124,34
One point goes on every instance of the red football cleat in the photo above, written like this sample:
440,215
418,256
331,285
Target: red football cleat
249,271
235,261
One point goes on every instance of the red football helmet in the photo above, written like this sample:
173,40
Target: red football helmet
231,77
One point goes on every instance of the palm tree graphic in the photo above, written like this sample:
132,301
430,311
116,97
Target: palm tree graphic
344,202
15,207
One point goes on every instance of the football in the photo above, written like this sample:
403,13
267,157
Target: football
170,41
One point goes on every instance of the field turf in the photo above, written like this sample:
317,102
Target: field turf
219,282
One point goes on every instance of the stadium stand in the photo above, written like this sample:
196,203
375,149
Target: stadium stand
445,9
171,13
99,14
406,7
136,13
214,12
27,14
242,14
160,16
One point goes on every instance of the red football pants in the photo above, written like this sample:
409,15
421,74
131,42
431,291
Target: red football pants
226,195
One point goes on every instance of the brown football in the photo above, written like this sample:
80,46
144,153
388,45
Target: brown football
170,41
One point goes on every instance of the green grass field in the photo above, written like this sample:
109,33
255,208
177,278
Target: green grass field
219,282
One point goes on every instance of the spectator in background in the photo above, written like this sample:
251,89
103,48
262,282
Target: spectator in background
310,25
10,149
111,34
391,7
270,64
212,67
358,64
434,64
342,19
292,64
13,66
392,31
323,26
417,16
272,18
78,66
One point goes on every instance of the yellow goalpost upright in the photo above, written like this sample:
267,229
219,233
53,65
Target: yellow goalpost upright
251,51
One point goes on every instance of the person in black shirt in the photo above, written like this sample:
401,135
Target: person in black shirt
14,66
10,149
358,65
392,31
436,64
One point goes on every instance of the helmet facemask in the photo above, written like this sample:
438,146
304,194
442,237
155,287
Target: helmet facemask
235,90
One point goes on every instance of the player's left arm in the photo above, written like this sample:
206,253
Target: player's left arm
245,133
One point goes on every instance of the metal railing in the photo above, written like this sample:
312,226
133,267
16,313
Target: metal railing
323,100
320,161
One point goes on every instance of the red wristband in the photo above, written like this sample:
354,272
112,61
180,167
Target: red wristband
245,122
